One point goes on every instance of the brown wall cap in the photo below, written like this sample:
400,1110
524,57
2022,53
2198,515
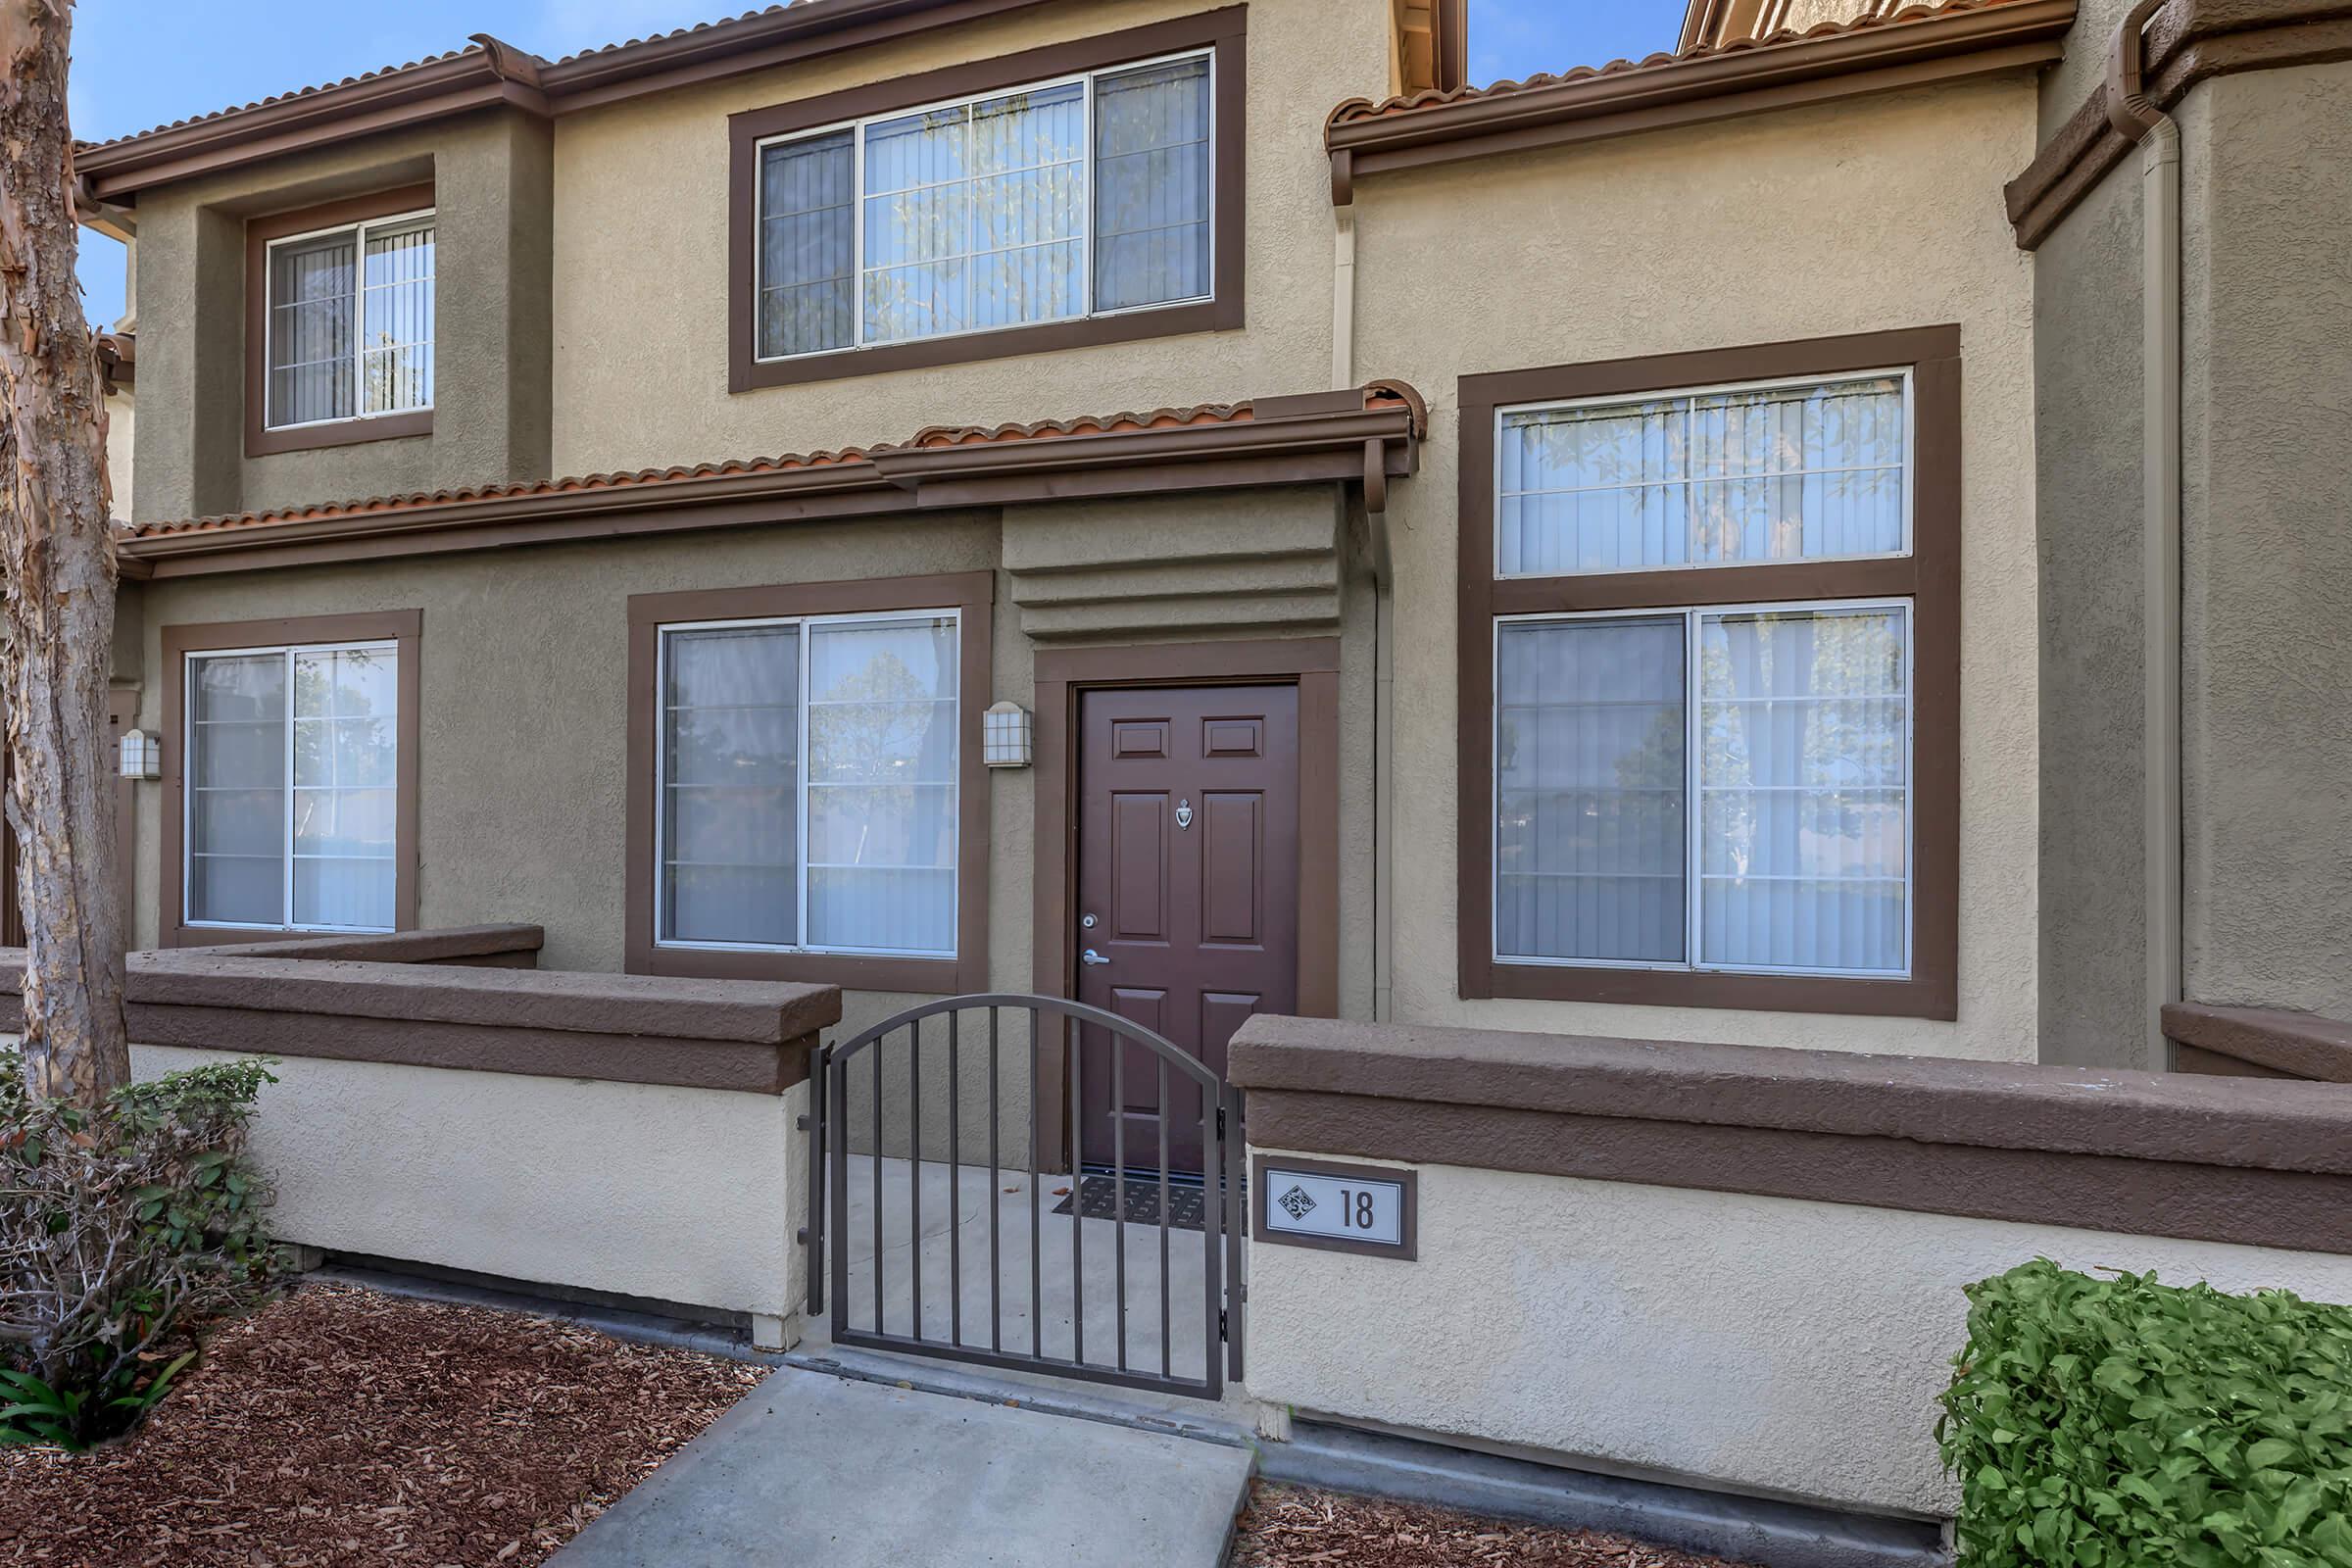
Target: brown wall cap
1874,53
2131,1115
2295,1045
2188,42
451,943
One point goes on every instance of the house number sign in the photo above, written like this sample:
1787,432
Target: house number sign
1340,1208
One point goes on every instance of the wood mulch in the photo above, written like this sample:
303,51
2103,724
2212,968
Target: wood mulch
1288,1527
340,1427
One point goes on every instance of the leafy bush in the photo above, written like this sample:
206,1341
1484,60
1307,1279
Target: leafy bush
2112,1423
122,1230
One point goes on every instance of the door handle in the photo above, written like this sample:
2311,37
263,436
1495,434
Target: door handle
1091,956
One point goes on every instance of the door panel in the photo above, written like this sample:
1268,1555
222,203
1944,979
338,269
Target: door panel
1188,862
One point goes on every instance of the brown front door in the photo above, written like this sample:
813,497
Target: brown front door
1188,894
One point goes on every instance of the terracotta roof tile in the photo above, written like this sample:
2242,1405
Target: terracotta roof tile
280,98
1378,396
679,32
1355,110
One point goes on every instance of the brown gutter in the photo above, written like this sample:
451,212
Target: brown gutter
1719,85
2187,41
493,72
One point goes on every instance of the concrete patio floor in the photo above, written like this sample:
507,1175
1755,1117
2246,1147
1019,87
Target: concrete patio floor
816,1469
1065,1301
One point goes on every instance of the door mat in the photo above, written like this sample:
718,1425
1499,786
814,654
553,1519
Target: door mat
1097,1198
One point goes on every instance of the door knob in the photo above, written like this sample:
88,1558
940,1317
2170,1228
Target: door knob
1089,956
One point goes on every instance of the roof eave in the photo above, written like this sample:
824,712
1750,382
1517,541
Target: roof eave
1734,81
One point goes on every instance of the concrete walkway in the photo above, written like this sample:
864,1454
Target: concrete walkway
812,1470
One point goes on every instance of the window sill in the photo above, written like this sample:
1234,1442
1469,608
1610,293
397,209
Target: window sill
937,977
1918,996
340,434
1128,326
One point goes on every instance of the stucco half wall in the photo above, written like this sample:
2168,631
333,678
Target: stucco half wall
1740,1343
674,1195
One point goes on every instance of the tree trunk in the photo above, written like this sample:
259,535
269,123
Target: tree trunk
56,583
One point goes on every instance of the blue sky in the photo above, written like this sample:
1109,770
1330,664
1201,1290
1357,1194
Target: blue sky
144,63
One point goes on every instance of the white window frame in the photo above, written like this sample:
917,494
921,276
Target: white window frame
189,851
857,128
358,355
805,624
1685,395
1693,809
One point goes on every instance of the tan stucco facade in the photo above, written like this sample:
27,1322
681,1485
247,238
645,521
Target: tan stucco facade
1768,1345
1850,217
641,259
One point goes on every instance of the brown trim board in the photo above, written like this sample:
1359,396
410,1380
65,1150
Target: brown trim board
260,439
973,593
1223,32
1720,85
1312,665
2187,41
2251,1161
403,628
1929,577
2271,1040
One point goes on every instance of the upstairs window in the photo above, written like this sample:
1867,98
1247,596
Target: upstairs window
1065,200
350,322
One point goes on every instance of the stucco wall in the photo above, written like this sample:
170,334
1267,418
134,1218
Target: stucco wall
1749,1344
491,173
641,257
2267,558
687,1196
1858,217
2087,364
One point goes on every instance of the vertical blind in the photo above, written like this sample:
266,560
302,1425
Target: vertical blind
292,803
975,215
1796,807
351,322
1814,472
872,703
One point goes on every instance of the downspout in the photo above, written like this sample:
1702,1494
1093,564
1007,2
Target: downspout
2134,115
1384,611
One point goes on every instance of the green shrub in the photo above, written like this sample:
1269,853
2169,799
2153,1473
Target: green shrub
2116,1423
123,1231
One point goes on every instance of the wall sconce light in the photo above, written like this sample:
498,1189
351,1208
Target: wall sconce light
1005,736
142,756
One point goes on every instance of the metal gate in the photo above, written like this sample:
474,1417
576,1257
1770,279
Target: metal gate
1000,1276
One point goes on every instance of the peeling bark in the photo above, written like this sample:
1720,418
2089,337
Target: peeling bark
56,583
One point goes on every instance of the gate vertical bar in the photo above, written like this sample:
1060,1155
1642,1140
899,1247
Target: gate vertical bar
1167,1215
813,1206
1119,1186
1077,1040
876,1049
1237,1219
1036,1249
837,1170
995,1215
915,1166
1212,1289
954,1188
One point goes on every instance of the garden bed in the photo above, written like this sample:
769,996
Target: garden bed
340,1427
1287,1527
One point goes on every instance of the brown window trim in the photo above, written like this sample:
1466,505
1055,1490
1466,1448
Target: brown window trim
1223,31
403,628
260,440
971,592
1063,675
1929,577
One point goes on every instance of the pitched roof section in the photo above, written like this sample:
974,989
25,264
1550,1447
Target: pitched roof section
1875,50
1311,438
489,71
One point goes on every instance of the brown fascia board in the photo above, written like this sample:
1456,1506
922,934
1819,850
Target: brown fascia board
496,73
2188,42
1309,446
1717,86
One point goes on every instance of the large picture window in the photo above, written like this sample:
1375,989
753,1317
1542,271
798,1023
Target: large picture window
810,775
349,320
1709,646
1056,201
292,808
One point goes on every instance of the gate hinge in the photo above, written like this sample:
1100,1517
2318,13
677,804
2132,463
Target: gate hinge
1220,1121
1224,1331
801,1236
804,1123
